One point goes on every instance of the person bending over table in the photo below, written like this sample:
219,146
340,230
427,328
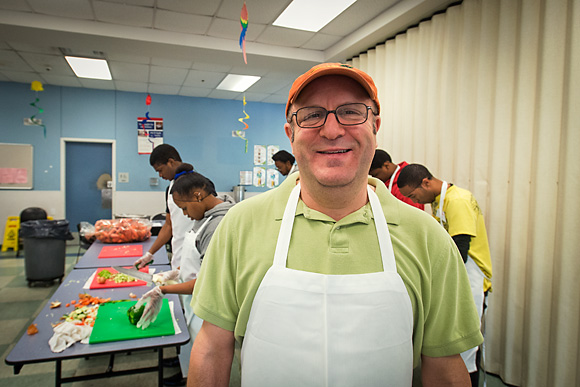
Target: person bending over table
328,279
196,196
166,160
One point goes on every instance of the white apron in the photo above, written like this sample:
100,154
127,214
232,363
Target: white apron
190,265
180,224
392,180
476,277
310,329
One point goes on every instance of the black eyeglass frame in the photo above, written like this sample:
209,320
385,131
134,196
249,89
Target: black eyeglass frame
295,114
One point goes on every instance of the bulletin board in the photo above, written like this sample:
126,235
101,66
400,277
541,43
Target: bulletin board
16,166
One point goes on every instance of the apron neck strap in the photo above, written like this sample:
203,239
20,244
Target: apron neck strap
440,214
393,178
285,234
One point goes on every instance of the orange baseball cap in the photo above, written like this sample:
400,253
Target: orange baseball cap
333,69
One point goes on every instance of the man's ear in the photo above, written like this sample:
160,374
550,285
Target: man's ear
426,183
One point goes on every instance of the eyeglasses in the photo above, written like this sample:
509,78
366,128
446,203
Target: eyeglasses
348,114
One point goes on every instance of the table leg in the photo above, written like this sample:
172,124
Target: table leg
160,366
58,372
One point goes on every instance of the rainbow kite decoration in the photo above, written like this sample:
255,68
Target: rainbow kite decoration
244,27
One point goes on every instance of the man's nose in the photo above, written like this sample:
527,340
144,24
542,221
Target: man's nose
332,129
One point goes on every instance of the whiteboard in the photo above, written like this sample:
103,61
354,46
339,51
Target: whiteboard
16,166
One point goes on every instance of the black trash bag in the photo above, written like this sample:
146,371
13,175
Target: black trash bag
51,229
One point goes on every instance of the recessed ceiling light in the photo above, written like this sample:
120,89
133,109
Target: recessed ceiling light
89,67
311,15
239,83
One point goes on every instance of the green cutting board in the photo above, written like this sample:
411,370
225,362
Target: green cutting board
112,323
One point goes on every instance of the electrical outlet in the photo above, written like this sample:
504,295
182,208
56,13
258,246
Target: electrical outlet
123,177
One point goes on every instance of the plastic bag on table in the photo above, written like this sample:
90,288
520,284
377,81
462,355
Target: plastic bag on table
87,231
122,230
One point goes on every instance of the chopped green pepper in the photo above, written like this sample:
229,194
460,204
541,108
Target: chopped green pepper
134,314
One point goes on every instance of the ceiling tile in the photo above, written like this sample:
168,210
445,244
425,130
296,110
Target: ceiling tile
266,85
199,7
132,72
262,12
143,3
21,76
137,87
182,22
203,79
39,49
357,15
223,94
60,80
43,63
97,84
284,36
253,97
78,9
166,75
168,62
9,60
128,58
218,68
4,78
14,5
163,89
321,42
123,14
194,91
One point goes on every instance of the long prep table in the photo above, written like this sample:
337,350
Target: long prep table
91,257
35,348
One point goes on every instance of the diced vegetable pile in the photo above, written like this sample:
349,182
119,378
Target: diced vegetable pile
85,310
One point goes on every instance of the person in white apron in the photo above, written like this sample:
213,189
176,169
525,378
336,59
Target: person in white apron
313,292
358,327
166,161
195,195
475,253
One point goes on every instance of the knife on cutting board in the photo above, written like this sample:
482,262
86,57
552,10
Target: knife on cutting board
136,274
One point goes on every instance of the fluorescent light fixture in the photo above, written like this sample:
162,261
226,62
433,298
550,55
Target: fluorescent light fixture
239,83
89,68
311,15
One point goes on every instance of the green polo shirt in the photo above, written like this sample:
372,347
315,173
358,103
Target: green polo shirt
242,250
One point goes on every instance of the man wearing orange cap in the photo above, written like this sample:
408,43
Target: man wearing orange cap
328,279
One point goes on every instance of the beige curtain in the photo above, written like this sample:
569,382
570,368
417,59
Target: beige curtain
487,96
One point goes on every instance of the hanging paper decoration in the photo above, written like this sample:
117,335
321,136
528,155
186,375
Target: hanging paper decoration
37,86
146,133
244,27
242,133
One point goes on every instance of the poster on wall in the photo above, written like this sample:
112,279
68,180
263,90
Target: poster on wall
149,134
259,177
245,177
272,178
272,150
259,155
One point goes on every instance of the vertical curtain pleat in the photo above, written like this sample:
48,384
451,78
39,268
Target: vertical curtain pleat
487,95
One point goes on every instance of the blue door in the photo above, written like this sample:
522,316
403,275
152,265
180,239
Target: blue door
85,163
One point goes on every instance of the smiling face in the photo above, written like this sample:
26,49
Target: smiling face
333,155
192,205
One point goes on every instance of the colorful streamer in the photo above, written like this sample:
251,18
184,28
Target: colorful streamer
244,28
241,133
37,86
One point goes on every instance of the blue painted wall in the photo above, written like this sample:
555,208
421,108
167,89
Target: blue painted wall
200,128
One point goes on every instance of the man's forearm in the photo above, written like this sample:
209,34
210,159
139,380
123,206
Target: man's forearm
211,358
446,371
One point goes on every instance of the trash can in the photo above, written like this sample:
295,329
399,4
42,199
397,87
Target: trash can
45,249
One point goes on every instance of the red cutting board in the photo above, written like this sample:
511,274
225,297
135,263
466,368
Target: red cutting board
121,251
112,284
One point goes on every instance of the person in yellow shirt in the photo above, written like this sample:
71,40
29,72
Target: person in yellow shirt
458,212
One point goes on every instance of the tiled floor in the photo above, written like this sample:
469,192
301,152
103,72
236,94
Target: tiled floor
19,305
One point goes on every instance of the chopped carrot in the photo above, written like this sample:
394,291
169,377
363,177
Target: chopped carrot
67,305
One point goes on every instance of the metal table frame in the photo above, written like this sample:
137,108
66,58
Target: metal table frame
35,349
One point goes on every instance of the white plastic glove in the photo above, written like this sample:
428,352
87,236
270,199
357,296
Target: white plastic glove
144,260
154,300
166,277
